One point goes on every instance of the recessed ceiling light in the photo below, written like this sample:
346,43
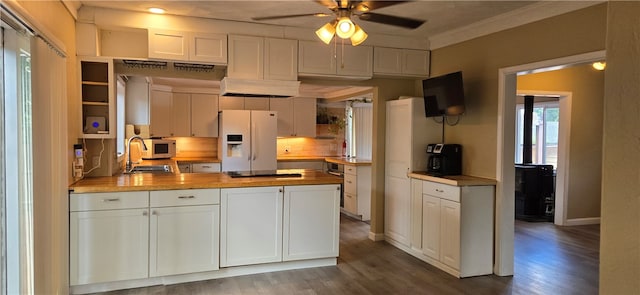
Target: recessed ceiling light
156,10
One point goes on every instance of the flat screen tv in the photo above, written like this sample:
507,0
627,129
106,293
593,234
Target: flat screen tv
443,95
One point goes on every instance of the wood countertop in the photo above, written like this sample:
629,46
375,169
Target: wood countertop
149,181
349,161
457,180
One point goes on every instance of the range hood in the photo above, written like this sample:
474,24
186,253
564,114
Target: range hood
259,88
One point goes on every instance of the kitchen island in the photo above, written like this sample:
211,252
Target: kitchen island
147,229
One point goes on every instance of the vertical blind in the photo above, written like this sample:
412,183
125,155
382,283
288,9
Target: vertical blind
363,129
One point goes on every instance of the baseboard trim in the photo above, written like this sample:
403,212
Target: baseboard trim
582,221
376,237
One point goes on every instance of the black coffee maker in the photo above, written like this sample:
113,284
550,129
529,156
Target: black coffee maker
444,159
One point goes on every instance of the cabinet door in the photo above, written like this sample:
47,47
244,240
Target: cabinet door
204,115
280,59
431,226
284,107
250,225
256,103
311,221
184,240
111,245
207,47
415,62
387,60
161,111
316,58
304,116
416,214
181,114
167,44
230,103
246,55
450,233
355,61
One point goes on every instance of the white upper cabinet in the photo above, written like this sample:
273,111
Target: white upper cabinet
280,59
161,113
401,62
183,114
244,103
296,116
204,115
260,58
188,46
319,59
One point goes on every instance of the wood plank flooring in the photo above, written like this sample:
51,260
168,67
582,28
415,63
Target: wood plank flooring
549,260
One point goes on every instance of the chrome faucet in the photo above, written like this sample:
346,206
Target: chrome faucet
144,148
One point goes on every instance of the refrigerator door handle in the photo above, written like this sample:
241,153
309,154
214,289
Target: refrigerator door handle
254,143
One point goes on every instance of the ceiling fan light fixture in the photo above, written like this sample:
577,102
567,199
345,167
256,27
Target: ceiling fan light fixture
345,28
358,36
326,32
156,10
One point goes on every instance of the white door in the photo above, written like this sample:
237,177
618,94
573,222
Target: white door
250,225
264,131
398,153
236,155
181,114
246,57
431,226
208,47
450,233
355,61
304,116
315,57
204,115
311,221
161,112
280,59
110,245
184,240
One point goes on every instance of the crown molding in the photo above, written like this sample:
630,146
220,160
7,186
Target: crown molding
512,19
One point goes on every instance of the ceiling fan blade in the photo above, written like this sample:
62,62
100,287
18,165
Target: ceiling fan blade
328,4
404,22
320,14
366,6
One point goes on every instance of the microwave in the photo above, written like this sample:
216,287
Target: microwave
159,149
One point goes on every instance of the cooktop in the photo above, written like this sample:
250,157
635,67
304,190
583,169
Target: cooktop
261,173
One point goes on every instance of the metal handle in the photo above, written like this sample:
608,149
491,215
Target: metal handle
337,187
111,200
206,166
154,212
280,190
439,190
144,213
348,181
186,197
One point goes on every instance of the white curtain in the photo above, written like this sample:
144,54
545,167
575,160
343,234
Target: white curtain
363,129
50,173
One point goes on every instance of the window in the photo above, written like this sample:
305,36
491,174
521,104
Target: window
546,117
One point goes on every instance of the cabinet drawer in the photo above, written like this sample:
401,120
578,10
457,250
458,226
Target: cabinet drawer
350,184
108,201
353,170
205,167
187,197
440,190
351,203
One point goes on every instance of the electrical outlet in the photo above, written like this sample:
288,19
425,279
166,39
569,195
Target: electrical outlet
287,148
96,161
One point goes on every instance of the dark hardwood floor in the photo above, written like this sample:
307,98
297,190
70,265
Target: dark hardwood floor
548,260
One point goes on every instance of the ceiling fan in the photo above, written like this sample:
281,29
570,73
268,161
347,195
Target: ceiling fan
344,27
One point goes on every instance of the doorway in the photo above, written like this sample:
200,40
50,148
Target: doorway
505,174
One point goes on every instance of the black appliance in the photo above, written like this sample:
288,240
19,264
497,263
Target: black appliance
535,192
444,159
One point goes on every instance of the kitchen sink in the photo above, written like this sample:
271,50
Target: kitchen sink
151,169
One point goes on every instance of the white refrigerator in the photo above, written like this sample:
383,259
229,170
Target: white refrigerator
247,140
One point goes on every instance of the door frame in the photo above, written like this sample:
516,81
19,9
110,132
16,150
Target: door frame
505,149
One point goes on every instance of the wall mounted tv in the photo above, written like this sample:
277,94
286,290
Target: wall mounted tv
443,95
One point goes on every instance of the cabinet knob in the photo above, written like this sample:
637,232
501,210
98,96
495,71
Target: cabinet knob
337,187
280,190
145,213
154,212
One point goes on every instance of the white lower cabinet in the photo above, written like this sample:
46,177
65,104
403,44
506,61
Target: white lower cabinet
250,225
255,229
311,221
108,237
456,227
184,235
